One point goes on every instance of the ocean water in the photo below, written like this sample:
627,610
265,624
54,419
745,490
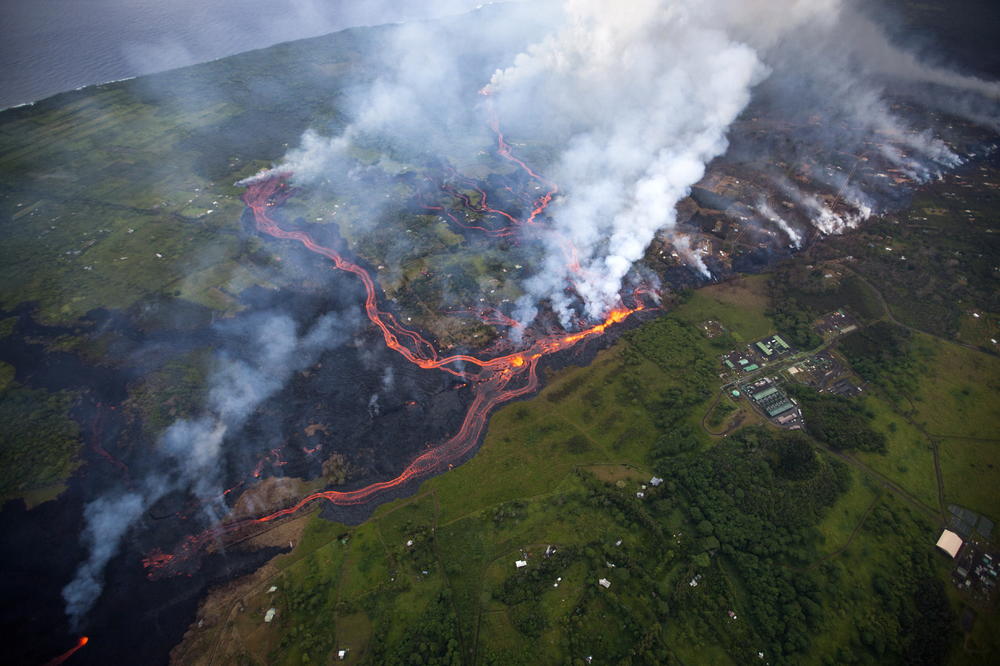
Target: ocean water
50,46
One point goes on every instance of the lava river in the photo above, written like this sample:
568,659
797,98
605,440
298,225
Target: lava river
494,381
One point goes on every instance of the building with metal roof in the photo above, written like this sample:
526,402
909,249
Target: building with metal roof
950,543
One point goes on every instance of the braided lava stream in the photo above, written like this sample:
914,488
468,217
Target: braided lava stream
495,381
492,384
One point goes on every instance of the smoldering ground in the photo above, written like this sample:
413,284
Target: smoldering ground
278,360
633,102
295,379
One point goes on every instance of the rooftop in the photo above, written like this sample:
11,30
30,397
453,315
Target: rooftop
949,542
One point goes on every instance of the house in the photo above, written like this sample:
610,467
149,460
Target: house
520,564
604,582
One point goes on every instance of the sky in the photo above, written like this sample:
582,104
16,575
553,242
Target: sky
49,46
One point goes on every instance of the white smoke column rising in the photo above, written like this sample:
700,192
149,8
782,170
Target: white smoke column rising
648,91
769,214
190,449
694,257
831,223
107,519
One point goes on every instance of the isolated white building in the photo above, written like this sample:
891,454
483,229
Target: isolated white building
950,543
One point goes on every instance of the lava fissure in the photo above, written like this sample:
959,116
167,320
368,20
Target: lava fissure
82,641
498,380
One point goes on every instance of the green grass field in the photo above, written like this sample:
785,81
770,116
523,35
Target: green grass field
909,460
572,456
960,392
971,474
846,515
739,304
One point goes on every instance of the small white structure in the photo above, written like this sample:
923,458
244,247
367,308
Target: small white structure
640,494
655,481
272,589
520,564
342,654
950,543
604,582
269,615
409,544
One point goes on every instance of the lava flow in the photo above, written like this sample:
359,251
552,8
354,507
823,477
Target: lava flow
494,381
69,653
492,384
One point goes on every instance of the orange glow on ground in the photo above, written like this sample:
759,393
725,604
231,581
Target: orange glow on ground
497,380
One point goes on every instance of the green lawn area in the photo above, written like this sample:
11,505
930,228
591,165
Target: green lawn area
739,304
959,393
909,460
844,516
971,472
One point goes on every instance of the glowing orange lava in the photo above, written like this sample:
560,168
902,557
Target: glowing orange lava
493,381
492,384
69,653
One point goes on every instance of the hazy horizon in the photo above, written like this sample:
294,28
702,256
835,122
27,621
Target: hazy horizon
51,46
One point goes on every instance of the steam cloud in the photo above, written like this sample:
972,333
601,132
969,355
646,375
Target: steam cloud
640,98
190,450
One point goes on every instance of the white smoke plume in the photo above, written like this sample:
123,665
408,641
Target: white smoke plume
693,256
637,97
107,519
831,223
794,237
190,450
647,96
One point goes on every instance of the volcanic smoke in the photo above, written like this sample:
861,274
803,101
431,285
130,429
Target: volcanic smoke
498,380
636,102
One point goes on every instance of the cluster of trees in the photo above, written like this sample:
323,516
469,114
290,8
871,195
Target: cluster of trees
509,513
680,439
800,292
38,442
431,638
883,354
838,421
793,318
760,494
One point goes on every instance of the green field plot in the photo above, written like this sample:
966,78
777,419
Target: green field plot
959,394
979,330
864,587
739,304
909,459
39,443
846,515
971,474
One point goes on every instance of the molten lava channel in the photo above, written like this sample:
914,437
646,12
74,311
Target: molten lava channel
498,380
